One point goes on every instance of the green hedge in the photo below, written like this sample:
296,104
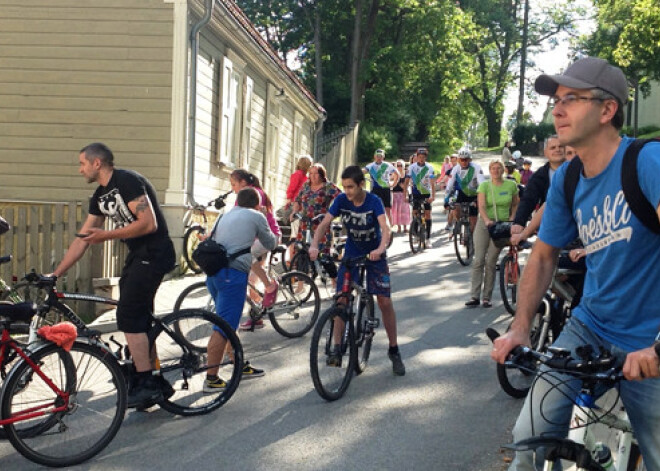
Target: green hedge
528,138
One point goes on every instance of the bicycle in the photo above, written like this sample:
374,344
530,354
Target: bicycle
551,316
417,231
292,315
581,446
58,408
462,235
195,229
180,339
509,269
342,338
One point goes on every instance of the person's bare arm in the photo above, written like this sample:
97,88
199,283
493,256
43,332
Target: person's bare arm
78,247
318,233
534,282
385,239
481,206
145,223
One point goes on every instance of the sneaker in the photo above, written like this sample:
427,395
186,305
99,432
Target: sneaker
149,391
449,227
250,372
270,297
397,364
214,385
166,388
247,325
487,303
473,302
334,359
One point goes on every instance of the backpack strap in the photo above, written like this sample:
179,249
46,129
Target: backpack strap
571,180
244,251
637,202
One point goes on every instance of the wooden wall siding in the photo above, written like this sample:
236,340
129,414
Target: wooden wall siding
73,72
258,137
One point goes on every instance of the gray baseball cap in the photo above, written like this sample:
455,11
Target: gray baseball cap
589,72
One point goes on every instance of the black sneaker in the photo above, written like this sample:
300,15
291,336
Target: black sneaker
397,364
214,385
149,391
474,302
250,371
334,359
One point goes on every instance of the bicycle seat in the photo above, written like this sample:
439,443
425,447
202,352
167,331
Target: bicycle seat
21,312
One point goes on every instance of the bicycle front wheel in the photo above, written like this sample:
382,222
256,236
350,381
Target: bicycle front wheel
181,341
509,275
415,234
95,410
333,354
190,242
463,245
364,331
297,306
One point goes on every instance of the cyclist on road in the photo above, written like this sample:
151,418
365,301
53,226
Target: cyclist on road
129,200
464,181
620,307
363,216
383,177
421,181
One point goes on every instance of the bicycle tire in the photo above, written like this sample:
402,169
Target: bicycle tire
635,460
185,367
364,331
509,276
414,234
297,305
195,296
190,243
98,404
463,243
514,381
302,263
331,382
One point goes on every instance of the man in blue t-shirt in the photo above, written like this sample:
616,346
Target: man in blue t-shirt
363,216
620,307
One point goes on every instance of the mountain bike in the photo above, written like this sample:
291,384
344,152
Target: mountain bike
342,338
58,408
196,226
551,316
582,447
417,231
462,235
180,339
292,315
509,269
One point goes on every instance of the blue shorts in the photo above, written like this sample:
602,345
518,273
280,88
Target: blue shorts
378,278
228,288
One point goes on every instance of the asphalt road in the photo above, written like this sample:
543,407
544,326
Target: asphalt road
447,413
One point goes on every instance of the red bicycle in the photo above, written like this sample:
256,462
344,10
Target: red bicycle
510,275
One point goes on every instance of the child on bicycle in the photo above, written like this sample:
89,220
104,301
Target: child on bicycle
363,216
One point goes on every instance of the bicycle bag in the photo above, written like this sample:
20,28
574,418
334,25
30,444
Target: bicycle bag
637,202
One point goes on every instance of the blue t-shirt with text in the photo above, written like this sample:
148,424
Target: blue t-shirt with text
361,223
621,300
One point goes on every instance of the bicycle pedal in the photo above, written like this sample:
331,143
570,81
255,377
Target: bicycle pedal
373,322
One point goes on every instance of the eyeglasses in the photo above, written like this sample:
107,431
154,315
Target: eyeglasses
568,100
399,165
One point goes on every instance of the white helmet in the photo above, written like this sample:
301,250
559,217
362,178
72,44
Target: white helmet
464,154
516,154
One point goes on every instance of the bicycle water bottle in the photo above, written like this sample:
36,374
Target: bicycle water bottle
602,454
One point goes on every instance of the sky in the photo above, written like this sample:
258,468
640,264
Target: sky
551,61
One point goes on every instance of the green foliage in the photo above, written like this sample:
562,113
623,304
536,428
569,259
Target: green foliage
641,131
372,137
528,137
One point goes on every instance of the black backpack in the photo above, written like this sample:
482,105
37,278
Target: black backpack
637,202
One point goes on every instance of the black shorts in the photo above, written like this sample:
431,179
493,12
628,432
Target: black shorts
140,279
422,199
463,198
385,194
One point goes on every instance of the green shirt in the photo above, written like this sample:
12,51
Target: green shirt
503,198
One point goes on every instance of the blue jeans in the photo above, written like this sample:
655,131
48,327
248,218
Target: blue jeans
640,398
228,288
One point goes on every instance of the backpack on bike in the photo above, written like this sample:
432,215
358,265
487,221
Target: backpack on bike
637,202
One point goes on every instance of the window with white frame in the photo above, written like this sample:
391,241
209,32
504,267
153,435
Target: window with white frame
229,120
247,120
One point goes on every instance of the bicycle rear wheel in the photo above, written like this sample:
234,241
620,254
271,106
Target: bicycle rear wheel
190,242
297,306
181,340
415,234
195,296
364,331
509,276
332,336
97,404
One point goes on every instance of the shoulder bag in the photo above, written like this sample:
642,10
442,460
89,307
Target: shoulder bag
500,231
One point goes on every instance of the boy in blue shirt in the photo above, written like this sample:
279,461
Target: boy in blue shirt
363,216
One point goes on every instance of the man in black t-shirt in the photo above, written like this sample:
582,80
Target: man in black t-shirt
129,200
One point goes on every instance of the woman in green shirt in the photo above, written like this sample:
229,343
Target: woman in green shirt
497,201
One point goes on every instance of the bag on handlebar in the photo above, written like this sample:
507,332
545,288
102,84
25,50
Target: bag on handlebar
500,233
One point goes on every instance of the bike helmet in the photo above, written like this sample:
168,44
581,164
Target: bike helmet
517,154
464,154
380,152
527,161
510,164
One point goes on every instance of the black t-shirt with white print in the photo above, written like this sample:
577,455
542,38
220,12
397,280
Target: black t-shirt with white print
111,201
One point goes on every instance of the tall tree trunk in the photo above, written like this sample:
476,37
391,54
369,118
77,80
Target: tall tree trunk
355,62
523,65
494,123
318,57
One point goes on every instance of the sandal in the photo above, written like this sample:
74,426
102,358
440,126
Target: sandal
473,302
487,303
